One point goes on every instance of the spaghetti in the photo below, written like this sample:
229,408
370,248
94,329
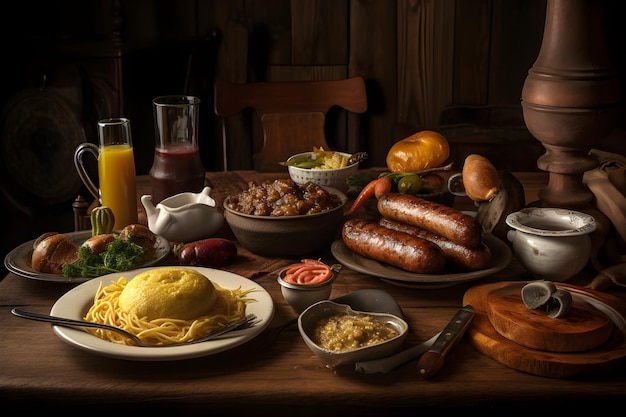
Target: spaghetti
230,306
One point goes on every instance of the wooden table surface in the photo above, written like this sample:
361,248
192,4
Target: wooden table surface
275,373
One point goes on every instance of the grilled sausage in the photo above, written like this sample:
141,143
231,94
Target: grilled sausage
450,223
98,243
400,249
457,256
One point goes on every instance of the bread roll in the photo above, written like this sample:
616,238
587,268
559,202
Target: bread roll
42,237
52,250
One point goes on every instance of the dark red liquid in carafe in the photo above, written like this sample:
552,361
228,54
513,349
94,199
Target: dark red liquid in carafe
176,170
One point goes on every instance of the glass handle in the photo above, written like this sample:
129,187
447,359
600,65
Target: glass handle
80,166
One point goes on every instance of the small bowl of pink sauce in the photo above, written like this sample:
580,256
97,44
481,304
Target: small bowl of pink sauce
307,282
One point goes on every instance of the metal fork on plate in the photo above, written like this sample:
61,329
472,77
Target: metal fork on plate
246,322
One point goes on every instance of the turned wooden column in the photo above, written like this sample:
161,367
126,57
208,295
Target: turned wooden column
570,98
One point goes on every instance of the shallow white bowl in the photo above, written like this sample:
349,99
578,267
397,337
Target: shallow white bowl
336,178
309,317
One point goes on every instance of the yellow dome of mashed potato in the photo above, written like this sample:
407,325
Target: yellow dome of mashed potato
177,293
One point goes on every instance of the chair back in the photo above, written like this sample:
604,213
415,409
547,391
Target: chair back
292,114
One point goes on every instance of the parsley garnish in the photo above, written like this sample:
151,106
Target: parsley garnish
120,255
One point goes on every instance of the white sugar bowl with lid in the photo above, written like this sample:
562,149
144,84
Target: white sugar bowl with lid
551,243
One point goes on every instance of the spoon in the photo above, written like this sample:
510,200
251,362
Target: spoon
249,320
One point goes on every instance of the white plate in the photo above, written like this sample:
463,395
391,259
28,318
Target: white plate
500,258
75,303
18,260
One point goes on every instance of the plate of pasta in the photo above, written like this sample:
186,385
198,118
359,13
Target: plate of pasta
85,298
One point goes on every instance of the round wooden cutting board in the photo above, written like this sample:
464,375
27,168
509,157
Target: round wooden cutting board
584,327
591,340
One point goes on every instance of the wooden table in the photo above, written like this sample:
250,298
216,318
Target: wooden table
276,374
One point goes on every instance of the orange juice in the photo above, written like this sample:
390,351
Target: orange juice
116,170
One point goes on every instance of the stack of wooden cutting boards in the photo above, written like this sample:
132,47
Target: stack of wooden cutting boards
588,339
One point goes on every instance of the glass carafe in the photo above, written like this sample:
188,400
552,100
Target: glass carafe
177,166
116,170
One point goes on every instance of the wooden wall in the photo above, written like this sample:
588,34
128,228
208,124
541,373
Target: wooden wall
457,66
418,57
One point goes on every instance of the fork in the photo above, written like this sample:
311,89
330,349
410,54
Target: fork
249,321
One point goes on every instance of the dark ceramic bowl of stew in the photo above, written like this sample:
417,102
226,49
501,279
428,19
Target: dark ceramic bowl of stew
287,236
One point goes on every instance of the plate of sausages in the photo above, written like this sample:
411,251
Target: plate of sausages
500,258
420,243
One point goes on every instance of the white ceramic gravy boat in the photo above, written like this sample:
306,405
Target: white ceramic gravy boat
184,217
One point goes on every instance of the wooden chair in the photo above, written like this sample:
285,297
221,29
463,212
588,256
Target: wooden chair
292,114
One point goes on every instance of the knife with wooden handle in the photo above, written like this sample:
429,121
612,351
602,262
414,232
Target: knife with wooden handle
432,360
389,363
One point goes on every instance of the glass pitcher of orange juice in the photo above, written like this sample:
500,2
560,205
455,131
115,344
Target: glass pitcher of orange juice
116,170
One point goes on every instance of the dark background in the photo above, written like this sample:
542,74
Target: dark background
457,66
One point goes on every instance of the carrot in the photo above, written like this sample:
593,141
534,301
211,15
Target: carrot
309,271
377,188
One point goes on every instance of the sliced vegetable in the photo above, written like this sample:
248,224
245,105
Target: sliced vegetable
308,271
